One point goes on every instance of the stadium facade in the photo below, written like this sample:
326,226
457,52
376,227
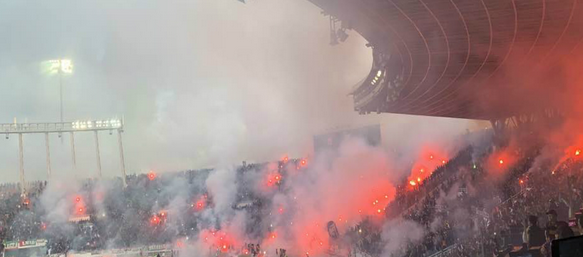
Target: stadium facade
473,59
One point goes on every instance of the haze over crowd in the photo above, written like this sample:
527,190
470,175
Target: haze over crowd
199,83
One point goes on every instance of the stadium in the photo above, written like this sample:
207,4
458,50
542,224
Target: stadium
513,187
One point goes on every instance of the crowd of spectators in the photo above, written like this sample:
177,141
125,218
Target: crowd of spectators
112,216
460,209
465,213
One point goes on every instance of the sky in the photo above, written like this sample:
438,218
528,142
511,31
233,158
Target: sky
198,83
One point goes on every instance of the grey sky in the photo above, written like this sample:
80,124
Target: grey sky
200,83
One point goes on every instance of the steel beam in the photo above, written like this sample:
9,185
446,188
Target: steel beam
49,171
97,153
121,158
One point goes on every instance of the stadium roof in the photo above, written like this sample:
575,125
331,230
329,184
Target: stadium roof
457,58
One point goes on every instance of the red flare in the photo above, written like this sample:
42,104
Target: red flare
155,220
200,205
151,176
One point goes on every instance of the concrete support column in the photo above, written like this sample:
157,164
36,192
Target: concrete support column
121,158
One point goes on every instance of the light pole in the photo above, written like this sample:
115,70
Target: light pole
61,66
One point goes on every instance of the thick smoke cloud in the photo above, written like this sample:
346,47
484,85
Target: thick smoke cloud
199,83
297,202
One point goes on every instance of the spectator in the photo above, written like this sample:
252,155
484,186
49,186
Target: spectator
552,222
560,229
563,230
545,250
535,236
579,217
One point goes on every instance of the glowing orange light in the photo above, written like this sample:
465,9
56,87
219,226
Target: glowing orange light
304,162
321,243
431,157
285,159
379,210
422,170
521,181
418,179
200,204
553,173
277,178
77,199
80,210
412,183
151,176
577,152
501,161
386,197
359,211
224,246
155,220
443,161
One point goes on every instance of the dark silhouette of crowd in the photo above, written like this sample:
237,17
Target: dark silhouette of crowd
461,209
130,216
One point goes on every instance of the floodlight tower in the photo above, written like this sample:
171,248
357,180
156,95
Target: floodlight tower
61,66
